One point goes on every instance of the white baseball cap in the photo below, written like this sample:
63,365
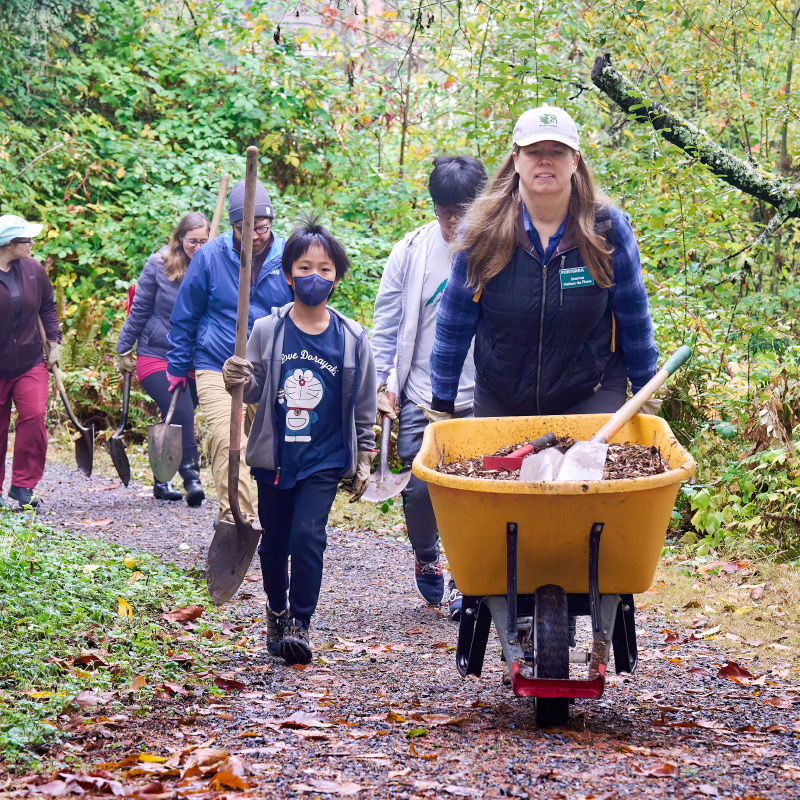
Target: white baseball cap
546,124
14,227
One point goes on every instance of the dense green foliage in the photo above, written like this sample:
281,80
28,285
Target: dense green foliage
61,607
120,115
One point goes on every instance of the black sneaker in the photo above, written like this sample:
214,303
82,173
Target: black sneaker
454,601
429,579
24,496
276,629
166,491
295,648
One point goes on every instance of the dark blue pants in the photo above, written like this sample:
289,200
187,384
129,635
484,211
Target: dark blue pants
157,386
294,523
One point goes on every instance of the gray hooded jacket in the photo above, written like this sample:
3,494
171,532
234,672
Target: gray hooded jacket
359,389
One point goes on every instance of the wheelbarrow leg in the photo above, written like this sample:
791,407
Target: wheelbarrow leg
511,581
473,635
626,653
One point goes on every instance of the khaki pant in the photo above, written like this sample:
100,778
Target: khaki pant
216,405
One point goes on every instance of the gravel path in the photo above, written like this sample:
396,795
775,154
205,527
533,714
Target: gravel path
392,717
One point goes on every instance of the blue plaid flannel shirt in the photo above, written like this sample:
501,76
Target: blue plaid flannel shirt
457,319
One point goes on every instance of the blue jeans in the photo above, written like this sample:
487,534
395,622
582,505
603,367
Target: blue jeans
294,522
420,519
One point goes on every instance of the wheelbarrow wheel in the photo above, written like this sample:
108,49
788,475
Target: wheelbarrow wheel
552,652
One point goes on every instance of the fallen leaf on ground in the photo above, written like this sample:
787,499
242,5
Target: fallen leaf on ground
341,788
124,609
733,670
665,770
184,614
97,523
229,684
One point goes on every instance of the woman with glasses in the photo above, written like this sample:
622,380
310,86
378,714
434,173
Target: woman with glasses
404,323
26,297
203,331
147,327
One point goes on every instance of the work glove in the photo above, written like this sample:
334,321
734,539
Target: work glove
236,371
125,362
52,350
652,406
434,416
386,403
361,479
175,382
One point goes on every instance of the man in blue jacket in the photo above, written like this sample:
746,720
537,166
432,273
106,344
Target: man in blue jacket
203,321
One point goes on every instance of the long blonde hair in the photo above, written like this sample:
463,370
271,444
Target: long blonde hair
491,226
176,260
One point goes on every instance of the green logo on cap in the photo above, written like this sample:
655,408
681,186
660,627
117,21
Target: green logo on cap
548,119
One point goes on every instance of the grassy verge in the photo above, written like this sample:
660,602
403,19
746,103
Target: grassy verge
752,609
82,630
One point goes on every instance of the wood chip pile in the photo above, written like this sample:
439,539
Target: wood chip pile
624,461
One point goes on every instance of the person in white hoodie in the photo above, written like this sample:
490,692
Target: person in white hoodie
404,325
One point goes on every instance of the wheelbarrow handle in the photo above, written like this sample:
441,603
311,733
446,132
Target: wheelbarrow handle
632,407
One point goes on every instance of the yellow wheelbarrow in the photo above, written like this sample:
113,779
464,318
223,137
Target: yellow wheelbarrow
533,556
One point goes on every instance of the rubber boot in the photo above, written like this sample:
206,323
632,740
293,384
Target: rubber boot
190,472
166,491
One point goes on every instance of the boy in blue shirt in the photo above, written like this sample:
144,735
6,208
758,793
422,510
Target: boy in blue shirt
311,371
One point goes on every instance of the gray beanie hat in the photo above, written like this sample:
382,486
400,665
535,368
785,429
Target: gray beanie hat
236,203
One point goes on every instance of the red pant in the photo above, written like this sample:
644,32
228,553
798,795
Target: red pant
28,392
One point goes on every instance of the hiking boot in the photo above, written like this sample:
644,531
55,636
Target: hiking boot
190,472
429,579
276,629
454,601
295,648
166,491
24,496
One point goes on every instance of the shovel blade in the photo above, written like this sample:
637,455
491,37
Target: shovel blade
229,557
116,449
164,449
84,451
384,486
584,461
542,466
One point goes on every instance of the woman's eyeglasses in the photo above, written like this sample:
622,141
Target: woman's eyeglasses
22,241
195,242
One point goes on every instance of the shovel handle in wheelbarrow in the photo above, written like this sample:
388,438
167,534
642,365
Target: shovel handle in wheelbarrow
634,405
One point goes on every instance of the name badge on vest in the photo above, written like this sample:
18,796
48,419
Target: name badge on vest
574,277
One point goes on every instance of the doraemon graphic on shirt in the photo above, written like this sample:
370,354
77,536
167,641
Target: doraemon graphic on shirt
302,392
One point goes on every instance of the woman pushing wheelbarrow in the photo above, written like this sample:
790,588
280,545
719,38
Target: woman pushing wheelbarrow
547,279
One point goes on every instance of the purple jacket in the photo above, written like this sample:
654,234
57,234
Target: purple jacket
21,344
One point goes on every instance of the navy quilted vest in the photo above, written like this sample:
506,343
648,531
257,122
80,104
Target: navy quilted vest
541,349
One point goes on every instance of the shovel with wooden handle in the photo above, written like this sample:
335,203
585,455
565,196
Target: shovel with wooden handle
165,444
84,445
584,461
116,444
223,190
234,543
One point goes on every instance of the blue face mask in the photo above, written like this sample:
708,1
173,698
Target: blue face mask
311,290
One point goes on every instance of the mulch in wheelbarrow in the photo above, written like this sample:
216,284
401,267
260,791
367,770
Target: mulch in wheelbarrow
623,461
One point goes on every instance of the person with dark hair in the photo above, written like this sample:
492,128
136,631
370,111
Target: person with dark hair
311,371
26,297
547,279
147,327
404,322
203,331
